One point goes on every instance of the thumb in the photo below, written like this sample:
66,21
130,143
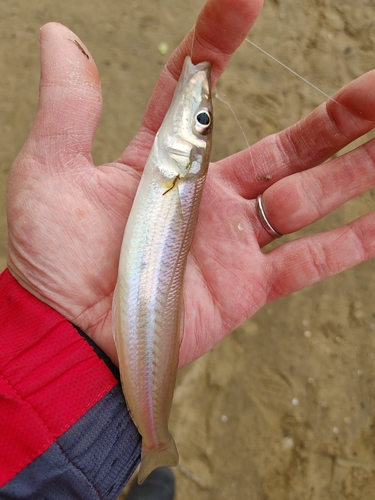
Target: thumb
70,100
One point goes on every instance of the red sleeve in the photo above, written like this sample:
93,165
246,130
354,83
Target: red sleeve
51,380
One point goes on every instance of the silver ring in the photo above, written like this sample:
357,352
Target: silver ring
263,219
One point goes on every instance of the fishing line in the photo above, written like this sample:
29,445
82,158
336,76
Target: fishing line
292,71
192,43
220,98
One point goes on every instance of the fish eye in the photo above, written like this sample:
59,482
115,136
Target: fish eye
203,121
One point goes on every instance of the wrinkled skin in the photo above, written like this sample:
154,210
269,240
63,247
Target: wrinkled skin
66,217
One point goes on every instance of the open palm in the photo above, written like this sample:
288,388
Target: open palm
67,217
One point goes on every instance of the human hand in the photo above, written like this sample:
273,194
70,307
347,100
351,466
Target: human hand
66,217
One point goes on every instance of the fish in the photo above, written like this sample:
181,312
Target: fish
148,308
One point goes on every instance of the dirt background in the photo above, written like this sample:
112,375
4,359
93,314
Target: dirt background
284,408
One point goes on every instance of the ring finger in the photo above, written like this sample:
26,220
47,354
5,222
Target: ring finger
298,200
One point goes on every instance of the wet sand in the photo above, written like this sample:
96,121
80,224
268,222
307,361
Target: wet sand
284,408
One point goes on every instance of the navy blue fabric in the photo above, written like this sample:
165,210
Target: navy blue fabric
93,460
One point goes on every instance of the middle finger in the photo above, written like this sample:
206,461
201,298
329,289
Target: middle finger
311,141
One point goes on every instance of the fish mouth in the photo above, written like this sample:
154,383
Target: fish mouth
191,74
189,68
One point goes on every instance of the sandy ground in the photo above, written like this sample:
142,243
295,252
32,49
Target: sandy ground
284,408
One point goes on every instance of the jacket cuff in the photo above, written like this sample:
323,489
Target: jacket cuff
64,427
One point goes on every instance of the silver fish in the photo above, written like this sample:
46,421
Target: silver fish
148,304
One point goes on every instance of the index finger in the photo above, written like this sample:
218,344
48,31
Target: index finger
221,27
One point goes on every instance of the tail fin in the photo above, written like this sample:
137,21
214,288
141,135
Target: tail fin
151,459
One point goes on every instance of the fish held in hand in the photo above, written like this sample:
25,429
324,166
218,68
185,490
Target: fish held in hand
148,307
